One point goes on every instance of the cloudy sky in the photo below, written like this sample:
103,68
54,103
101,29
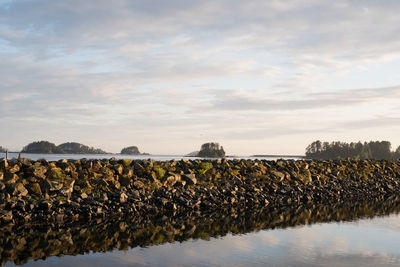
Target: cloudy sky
167,76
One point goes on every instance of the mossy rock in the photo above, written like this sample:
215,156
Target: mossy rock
160,172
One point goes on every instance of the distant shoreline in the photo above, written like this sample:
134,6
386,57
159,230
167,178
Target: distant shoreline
34,153
277,156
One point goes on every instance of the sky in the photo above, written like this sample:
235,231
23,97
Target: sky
259,77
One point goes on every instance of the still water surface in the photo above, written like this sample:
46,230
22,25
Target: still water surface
55,157
354,234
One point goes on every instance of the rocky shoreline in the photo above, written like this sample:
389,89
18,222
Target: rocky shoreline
76,190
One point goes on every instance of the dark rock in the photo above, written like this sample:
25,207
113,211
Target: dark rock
35,189
190,179
14,169
6,216
10,178
124,181
3,164
45,205
37,171
123,198
17,189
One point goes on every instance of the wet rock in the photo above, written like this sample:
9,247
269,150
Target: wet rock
35,189
118,169
3,164
17,189
190,179
14,169
123,198
138,184
55,173
10,178
45,205
68,189
6,216
124,181
37,171
180,184
278,175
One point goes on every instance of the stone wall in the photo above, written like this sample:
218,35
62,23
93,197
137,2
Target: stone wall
69,190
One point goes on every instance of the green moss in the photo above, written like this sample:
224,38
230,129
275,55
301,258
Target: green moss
159,238
63,198
87,190
126,163
58,173
203,235
160,172
204,167
152,186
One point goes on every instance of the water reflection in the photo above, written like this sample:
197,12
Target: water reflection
20,244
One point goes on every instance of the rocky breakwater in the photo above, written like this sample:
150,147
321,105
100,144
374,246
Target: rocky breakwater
71,190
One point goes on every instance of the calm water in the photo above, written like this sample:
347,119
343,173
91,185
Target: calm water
355,234
55,157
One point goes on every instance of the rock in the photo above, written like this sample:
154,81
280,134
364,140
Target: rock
14,169
119,169
3,164
5,216
45,185
138,184
123,198
68,189
35,189
10,178
170,205
153,178
45,205
55,173
55,186
17,189
170,181
278,175
124,181
180,184
136,194
21,190
190,179
38,171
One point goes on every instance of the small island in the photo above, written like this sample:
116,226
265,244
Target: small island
45,147
209,150
130,150
76,148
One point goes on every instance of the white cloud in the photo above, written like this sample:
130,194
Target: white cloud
227,69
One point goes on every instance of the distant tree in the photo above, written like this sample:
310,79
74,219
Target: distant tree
44,147
397,153
341,150
211,150
380,150
77,148
2,149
